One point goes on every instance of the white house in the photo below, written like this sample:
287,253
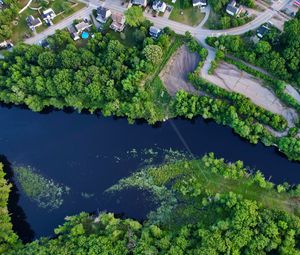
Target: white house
159,6
200,3
139,2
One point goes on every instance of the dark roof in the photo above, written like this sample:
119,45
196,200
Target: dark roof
199,1
33,21
101,11
231,8
158,3
138,2
262,30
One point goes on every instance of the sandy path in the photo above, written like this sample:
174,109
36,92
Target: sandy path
230,78
174,75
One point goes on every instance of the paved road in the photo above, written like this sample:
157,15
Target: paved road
85,12
198,32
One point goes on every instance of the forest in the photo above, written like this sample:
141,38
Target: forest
105,75
205,206
278,53
235,110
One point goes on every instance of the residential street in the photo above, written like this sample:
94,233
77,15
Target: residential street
199,32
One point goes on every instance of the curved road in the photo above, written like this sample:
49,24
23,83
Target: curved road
199,32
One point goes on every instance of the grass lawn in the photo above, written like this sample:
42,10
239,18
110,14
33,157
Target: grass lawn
217,183
62,16
190,16
22,29
128,41
212,20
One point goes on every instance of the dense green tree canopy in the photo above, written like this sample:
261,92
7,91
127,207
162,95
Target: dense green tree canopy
7,15
205,207
277,53
134,16
105,75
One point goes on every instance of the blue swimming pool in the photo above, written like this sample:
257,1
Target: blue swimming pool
85,35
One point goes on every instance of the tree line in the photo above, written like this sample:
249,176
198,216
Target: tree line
277,53
206,207
105,75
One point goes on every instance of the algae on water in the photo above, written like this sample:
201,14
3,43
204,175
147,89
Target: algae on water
44,191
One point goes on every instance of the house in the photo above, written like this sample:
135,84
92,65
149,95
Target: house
200,3
159,6
7,44
262,31
33,22
154,32
139,2
118,23
73,33
48,15
80,27
233,9
103,14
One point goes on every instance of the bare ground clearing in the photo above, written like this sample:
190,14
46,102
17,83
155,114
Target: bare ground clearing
175,73
227,76
231,78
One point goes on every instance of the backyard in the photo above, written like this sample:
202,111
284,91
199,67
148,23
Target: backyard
64,7
188,15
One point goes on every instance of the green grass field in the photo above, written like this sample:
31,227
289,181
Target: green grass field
190,16
217,183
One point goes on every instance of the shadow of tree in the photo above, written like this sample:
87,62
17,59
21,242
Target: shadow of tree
18,217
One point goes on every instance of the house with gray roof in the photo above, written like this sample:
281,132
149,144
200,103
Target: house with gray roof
33,22
154,32
142,3
159,6
233,9
103,14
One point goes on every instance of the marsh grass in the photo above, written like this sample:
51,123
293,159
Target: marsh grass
46,193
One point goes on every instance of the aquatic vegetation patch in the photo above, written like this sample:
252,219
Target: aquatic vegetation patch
87,195
45,192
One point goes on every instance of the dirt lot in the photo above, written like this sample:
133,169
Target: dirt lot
174,75
229,77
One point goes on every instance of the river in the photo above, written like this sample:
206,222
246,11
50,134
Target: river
89,153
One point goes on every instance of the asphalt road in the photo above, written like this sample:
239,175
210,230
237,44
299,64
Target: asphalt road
199,32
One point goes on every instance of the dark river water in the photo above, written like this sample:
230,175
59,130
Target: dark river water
89,154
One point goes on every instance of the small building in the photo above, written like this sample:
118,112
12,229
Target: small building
118,23
80,27
200,3
48,14
233,9
297,3
6,44
103,14
73,33
159,6
33,22
262,31
142,3
154,32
